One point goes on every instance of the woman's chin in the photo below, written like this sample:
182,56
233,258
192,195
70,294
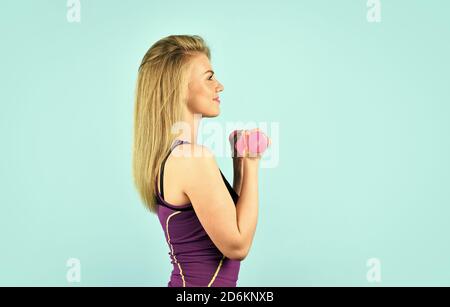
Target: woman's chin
212,113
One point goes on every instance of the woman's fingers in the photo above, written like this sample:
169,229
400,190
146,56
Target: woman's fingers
249,143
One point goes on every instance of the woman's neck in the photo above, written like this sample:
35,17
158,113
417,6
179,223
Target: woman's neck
189,128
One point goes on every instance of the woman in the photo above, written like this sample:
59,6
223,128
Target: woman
208,225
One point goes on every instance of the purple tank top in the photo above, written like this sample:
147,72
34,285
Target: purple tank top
196,261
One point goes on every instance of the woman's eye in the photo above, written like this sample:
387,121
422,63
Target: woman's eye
210,77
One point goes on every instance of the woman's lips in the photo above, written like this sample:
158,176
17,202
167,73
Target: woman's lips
217,99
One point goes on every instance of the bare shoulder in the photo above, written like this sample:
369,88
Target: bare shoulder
195,161
189,151
182,170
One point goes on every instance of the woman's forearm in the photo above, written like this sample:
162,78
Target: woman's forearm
238,174
247,205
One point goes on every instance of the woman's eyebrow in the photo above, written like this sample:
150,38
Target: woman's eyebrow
209,71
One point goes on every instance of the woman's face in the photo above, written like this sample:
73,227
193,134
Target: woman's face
203,87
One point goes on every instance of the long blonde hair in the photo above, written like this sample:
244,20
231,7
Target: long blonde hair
161,91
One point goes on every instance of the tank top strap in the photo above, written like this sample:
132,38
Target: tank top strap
172,147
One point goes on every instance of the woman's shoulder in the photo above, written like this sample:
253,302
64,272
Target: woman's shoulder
194,160
191,166
192,152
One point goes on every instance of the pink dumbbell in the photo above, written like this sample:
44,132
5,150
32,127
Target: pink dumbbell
255,142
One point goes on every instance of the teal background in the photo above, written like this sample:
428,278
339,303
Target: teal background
363,113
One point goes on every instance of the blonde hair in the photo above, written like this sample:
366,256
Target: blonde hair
161,91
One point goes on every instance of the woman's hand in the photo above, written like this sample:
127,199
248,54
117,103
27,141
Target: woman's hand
245,157
233,139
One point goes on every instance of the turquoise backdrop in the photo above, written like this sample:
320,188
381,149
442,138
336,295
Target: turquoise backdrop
363,145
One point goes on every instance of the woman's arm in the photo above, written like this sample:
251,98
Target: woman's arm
230,226
247,205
